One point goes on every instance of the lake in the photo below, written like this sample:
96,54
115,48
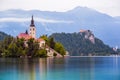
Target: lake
69,68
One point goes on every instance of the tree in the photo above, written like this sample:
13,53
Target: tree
60,49
30,47
13,50
51,42
44,37
41,53
33,47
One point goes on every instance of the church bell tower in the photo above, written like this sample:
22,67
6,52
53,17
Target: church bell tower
32,29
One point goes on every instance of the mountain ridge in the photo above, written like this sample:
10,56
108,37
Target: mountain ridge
104,26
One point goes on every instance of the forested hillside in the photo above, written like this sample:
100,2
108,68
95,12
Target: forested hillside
76,44
3,35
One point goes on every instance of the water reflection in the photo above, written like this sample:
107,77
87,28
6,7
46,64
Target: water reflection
115,66
42,69
82,68
87,69
26,69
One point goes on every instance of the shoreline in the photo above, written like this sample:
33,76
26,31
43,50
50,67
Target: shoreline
96,56
59,57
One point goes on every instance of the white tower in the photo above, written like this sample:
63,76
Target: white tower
32,30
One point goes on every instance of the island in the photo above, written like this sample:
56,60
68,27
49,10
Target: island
28,45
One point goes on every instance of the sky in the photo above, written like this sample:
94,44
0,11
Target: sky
110,7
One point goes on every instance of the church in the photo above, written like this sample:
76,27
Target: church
32,34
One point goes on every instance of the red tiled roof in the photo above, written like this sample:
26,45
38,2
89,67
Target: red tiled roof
40,39
24,35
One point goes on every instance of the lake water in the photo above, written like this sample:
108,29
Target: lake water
71,68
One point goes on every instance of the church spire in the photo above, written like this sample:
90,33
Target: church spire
32,22
32,29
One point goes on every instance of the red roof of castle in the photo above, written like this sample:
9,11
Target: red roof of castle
24,35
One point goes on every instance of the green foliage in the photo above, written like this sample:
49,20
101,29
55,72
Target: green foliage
30,48
51,42
54,45
33,49
15,47
41,53
4,45
45,38
12,47
76,44
20,43
59,48
13,50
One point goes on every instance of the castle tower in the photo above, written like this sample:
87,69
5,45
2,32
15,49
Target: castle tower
32,29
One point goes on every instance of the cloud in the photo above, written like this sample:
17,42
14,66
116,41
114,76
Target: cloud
13,19
46,28
36,19
52,21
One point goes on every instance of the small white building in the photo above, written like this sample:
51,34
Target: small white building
41,42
